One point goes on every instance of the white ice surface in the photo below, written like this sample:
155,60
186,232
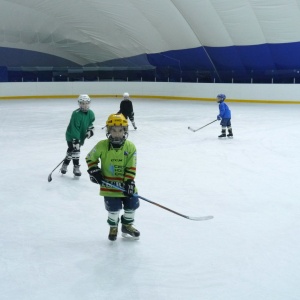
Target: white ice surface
53,236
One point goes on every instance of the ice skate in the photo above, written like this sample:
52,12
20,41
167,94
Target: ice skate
130,231
113,232
223,134
76,170
230,135
133,124
64,168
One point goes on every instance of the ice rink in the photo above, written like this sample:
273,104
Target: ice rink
53,236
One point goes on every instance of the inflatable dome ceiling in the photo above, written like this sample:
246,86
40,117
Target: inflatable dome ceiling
217,36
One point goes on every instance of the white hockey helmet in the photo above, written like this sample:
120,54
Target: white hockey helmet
126,95
84,102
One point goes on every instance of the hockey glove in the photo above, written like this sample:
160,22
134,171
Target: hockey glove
95,175
90,132
129,188
219,117
76,145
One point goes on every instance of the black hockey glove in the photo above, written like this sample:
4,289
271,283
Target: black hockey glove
129,188
76,145
95,175
90,132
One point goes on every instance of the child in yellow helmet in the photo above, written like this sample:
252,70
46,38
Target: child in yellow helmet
113,160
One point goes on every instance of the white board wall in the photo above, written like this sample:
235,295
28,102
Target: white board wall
279,93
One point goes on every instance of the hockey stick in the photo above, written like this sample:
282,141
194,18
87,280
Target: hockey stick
103,127
50,175
194,130
161,206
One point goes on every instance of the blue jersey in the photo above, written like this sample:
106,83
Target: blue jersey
225,112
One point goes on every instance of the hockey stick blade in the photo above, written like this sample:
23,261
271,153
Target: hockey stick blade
200,218
191,129
194,130
50,177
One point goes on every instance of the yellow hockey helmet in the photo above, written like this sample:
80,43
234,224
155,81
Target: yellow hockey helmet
117,129
116,120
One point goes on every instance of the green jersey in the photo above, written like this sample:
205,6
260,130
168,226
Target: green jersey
117,165
79,124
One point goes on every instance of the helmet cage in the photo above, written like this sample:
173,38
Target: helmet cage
117,140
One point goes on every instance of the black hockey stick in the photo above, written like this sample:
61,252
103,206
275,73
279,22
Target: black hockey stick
103,127
194,130
161,206
50,175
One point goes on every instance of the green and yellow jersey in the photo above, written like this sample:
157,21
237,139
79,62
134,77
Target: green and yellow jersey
117,165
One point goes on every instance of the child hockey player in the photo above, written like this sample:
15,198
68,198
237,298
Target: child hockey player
225,117
117,158
79,128
126,109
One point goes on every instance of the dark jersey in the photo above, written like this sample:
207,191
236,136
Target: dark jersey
126,108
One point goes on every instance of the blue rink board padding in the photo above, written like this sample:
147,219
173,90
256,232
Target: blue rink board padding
245,60
259,57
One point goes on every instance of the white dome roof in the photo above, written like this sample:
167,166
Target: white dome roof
213,35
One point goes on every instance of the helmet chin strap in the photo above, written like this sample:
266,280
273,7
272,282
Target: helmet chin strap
116,142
